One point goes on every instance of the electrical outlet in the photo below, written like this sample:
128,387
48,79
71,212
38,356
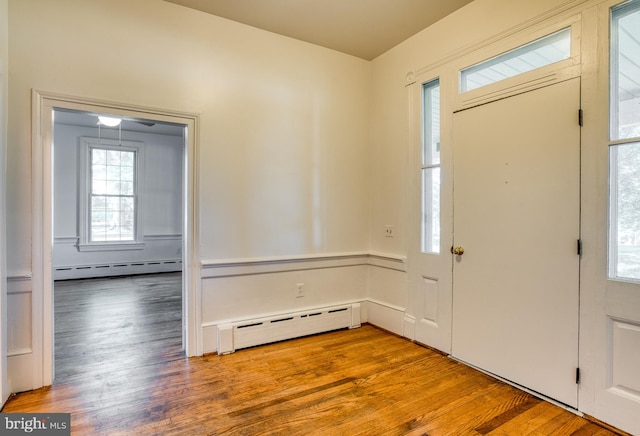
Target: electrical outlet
299,290
389,231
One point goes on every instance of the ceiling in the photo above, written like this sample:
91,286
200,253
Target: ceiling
362,28
90,119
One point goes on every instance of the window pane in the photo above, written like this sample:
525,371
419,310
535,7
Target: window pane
113,157
98,187
537,54
625,71
625,212
126,173
431,210
113,172
112,202
431,122
98,157
430,168
99,172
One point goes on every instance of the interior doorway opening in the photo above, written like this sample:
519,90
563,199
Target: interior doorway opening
44,107
118,210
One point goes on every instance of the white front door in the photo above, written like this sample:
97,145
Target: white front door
517,217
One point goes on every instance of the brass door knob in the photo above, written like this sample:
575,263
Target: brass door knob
458,251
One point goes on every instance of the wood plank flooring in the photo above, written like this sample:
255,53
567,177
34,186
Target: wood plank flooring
351,382
117,323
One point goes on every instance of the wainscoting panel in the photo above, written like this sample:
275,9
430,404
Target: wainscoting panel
159,253
19,326
247,291
238,292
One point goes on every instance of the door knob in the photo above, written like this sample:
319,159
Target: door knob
458,251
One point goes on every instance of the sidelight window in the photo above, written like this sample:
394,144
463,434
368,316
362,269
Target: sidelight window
430,167
624,150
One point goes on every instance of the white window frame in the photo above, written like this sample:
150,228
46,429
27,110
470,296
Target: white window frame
614,143
427,167
510,55
530,80
84,194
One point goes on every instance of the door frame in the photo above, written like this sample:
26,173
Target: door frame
42,210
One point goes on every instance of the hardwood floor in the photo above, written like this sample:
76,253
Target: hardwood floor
351,382
116,323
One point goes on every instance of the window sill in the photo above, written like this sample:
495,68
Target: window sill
114,246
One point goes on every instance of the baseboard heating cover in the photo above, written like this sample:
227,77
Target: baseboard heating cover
116,269
259,331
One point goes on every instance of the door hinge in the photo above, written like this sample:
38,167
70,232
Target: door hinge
577,375
579,247
580,118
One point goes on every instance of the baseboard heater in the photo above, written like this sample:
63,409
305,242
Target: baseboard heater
116,269
259,331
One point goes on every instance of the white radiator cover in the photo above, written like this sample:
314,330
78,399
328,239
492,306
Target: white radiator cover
249,333
116,269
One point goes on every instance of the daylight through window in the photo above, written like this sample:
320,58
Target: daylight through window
624,150
430,167
113,199
537,54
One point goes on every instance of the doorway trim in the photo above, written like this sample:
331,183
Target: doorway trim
43,104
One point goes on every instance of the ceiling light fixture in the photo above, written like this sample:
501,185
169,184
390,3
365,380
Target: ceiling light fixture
109,121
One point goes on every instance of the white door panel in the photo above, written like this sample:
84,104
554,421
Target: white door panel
430,273
517,215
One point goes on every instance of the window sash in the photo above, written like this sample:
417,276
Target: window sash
430,168
119,226
624,145
113,200
544,51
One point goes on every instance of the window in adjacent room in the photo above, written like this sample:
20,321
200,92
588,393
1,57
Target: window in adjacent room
430,167
624,149
111,201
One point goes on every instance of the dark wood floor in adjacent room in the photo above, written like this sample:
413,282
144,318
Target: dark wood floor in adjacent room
120,370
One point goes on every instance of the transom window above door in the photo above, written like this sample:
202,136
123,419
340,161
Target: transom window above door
537,54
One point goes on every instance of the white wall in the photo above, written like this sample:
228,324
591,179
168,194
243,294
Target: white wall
283,123
4,80
161,207
282,143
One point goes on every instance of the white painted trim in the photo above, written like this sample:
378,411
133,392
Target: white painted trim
390,261
569,6
148,238
73,240
20,284
111,246
264,265
42,231
387,305
19,352
387,316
